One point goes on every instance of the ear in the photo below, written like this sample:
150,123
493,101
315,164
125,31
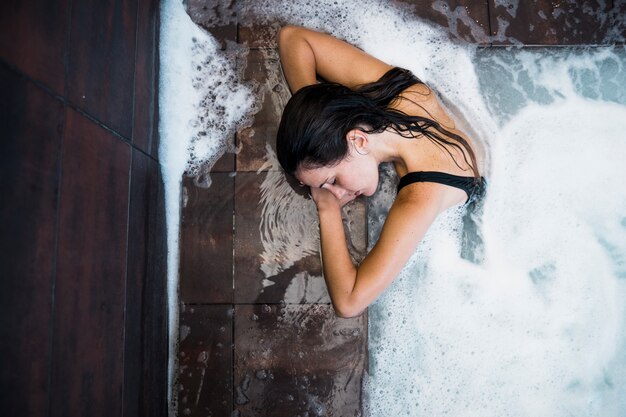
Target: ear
358,140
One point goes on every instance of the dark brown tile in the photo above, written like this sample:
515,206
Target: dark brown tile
379,204
251,32
276,242
144,123
298,360
467,20
616,25
140,311
205,358
34,38
226,163
546,22
218,17
206,241
102,61
31,122
355,227
259,36
154,331
88,348
263,67
135,278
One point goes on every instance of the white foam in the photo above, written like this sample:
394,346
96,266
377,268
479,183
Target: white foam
175,102
201,104
538,328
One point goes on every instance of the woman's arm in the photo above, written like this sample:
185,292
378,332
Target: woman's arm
352,288
304,54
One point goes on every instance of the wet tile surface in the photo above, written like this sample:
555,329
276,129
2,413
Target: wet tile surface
616,24
145,134
30,153
206,241
298,359
259,36
545,22
277,240
84,337
270,254
355,228
34,36
263,67
87,375
155,344
102,61
145,226
467,20
219,18
226,162
205,361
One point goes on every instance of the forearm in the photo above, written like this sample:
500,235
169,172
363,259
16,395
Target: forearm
297,58
352,289
339,271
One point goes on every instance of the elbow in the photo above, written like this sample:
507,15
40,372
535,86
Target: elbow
285,33
348,310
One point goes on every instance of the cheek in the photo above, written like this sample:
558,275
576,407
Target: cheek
371,183
374,175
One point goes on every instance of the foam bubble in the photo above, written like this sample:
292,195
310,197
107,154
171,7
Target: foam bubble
537,328
201,104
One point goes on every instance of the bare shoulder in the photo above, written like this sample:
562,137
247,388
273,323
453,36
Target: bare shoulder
421,100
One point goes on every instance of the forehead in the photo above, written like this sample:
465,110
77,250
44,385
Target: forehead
315,176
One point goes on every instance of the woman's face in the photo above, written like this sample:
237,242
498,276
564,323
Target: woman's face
356,174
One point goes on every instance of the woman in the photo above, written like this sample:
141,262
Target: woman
334,134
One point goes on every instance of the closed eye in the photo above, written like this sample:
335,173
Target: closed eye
329,182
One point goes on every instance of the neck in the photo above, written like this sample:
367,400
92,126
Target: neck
387,146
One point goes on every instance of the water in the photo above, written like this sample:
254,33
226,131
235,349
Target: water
201,103
529,320
537,328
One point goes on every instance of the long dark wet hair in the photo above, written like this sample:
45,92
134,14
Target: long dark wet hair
317,118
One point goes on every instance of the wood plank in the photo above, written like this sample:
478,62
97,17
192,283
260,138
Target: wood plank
545,22
31,122
88,347
206,241
144,123
102,61
298,360
205,385
34,38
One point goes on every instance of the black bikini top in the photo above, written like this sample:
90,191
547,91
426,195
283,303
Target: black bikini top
473,187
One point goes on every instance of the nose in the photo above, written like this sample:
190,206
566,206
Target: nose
338,192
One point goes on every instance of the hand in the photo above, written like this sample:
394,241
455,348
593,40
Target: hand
325,199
